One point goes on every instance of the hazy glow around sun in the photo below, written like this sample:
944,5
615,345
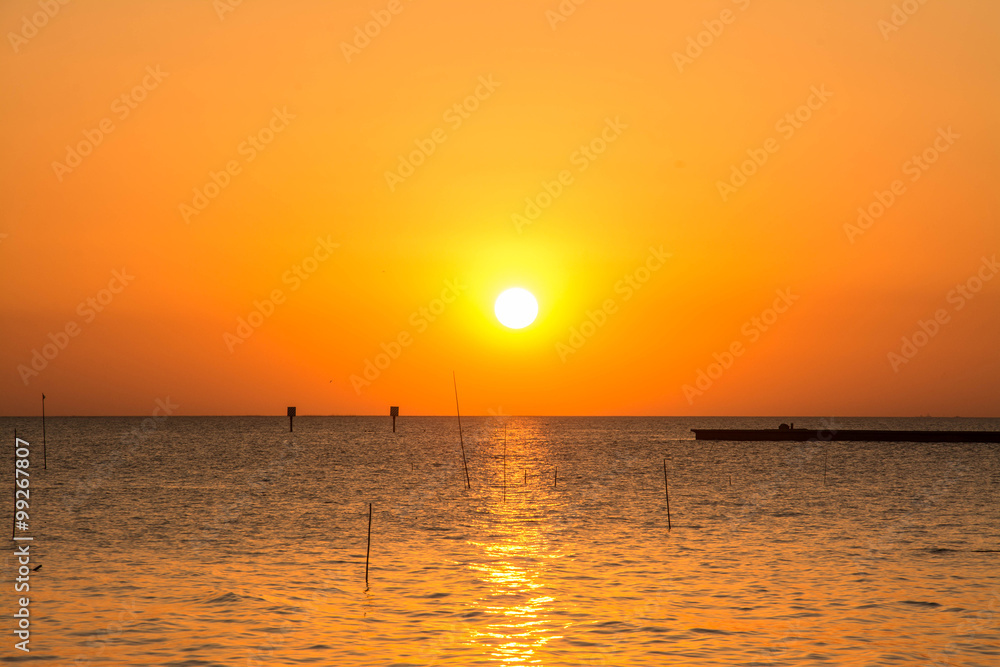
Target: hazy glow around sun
516,308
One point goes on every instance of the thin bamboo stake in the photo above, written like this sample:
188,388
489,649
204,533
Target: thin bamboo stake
369,551
468,484
666,491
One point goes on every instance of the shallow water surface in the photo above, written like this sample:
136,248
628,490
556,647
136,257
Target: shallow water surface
229,541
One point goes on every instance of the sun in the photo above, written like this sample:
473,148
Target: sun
516,308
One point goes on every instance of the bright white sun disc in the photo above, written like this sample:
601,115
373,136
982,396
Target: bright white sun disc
516,308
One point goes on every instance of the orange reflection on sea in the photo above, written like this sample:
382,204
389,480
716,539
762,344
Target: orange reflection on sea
522,623
512,569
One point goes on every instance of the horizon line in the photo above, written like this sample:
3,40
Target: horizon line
533,416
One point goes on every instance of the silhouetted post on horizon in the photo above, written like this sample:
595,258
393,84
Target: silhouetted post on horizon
666,491
291,416
45,460
393,412
465,463
369,550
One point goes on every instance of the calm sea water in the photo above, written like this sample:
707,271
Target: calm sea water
229,541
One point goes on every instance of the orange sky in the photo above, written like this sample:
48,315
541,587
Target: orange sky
292,128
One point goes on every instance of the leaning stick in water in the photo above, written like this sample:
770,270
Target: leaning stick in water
369,551
468,484
666,491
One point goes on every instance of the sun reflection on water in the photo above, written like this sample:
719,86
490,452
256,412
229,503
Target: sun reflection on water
522,612
513,564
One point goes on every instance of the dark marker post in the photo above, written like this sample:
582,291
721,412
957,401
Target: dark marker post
291,416
468,484
393,412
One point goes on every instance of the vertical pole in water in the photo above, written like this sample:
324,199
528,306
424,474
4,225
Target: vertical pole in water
505,463
526,477
826,456
730,480
45,460
465,463
555,477
291,416
369,551
666,491
393,412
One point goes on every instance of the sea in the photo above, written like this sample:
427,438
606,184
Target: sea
225,541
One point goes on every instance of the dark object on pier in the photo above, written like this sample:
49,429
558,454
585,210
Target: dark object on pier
843,435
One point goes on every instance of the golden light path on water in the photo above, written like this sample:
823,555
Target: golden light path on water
514,567
518,632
